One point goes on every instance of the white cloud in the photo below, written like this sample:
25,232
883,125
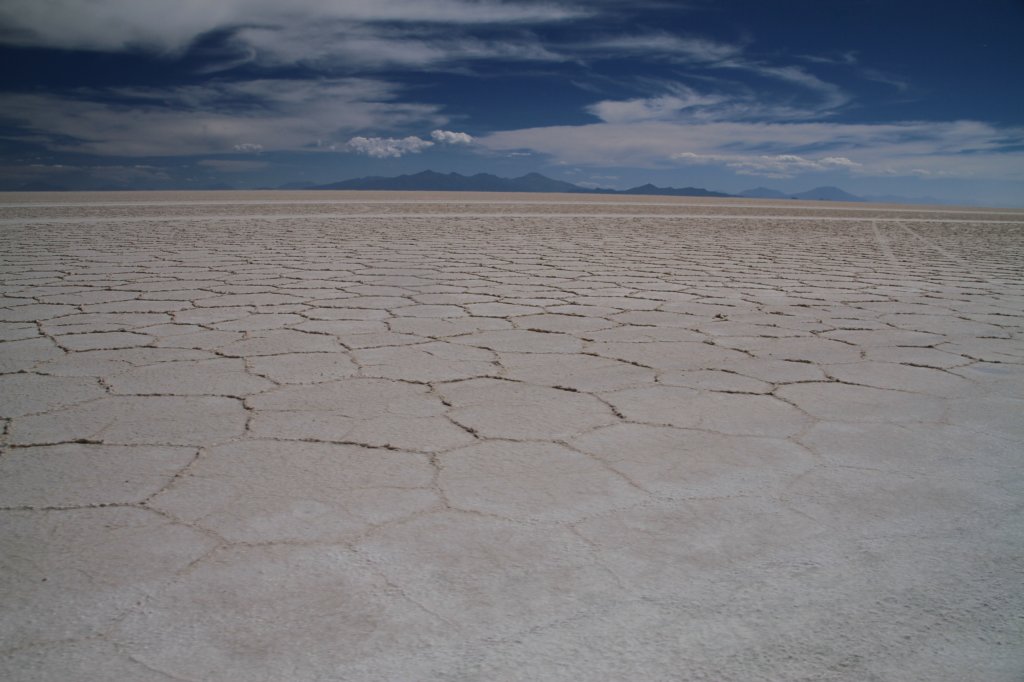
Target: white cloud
342,45
960,149
394,147
775,166
831,95
718,58
212,118
387,147
333,36
660,108
450,137
851,60
168,27
839,161
666,45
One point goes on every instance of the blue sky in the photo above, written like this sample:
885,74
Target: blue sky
878,97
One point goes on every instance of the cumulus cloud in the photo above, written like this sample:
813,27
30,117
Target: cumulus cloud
395,147
450,137
838,161
387,147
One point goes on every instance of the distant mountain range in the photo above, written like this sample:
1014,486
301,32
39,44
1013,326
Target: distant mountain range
431,181
816,194
836,194
651,190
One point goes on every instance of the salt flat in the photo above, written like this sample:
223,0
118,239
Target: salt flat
379,436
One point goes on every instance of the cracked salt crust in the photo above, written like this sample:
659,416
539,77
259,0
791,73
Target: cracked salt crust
365,436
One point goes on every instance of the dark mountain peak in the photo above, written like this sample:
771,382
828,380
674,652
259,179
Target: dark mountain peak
425,174
654,190
763,193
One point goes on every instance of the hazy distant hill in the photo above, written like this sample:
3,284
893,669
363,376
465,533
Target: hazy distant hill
816,194
827,194
763,193
673,192
836,194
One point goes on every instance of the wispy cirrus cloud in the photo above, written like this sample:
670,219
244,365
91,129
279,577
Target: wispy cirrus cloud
167,27
778,149
728,68
851,60
328,36
722,101
682,101
346,46
214,117
765,165
830,95
666,46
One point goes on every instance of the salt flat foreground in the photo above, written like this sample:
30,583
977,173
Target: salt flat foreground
344,436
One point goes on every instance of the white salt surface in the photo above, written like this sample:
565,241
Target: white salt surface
374,436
